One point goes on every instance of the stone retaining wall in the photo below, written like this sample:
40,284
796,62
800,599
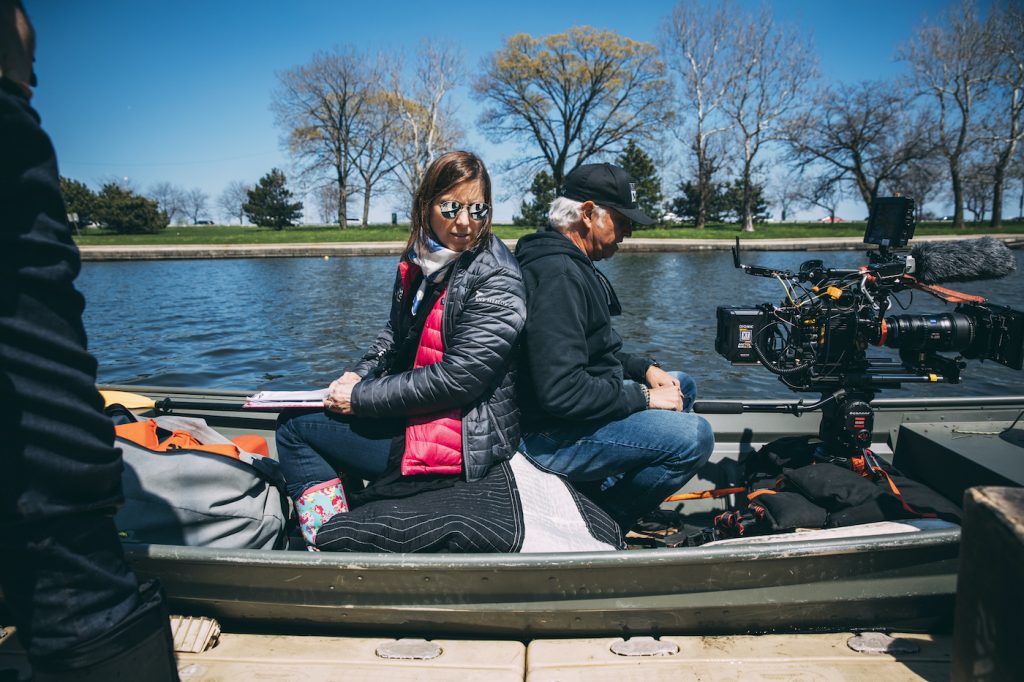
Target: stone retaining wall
317,250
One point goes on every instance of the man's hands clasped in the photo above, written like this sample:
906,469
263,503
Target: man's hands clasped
664,391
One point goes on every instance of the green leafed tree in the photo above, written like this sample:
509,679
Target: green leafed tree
535,212
126,212
694,204
571,97
79,199
735,198
648,184
270,202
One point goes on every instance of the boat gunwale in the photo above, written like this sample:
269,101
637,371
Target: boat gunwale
910,403
549,561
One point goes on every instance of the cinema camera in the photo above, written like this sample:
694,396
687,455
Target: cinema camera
817,338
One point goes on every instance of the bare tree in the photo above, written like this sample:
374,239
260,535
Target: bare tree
775,66
327,202
170,198
920,180
570,97
428,122
374,151
953,64
1016,172
863,133
696,40
824,191
977,187
1006,116
231,199
785,195
318,105
195,204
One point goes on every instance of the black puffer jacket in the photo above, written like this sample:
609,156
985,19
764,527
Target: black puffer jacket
484,311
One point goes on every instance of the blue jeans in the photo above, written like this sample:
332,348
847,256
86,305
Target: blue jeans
631,464
313,447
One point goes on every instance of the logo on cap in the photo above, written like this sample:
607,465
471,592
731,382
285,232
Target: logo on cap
602,183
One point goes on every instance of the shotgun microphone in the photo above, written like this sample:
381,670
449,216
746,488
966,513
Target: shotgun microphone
961,261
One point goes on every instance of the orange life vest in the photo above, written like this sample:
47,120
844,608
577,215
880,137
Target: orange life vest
145,434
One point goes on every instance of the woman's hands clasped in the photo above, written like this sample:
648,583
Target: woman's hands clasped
339,393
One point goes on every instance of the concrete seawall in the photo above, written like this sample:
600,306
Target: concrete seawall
318,250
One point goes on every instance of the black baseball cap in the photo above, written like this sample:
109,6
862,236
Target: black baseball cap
606,185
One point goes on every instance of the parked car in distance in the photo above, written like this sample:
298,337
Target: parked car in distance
830,219
204,222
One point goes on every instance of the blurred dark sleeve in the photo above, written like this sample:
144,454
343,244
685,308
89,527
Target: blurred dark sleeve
58,455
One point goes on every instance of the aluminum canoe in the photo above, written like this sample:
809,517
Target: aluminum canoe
903,580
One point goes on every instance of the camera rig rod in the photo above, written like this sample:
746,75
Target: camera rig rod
847,416
739,407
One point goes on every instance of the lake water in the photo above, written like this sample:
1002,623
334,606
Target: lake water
293,323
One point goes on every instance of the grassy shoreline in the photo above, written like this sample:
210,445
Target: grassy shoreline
236,234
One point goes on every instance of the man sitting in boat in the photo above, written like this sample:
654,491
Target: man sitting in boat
616,424
429,414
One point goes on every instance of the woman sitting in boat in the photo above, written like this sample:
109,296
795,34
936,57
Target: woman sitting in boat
432,402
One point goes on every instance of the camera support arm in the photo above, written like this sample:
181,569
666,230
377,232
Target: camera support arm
847,417
756,270
738,407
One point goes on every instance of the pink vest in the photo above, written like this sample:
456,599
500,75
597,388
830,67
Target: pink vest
433,442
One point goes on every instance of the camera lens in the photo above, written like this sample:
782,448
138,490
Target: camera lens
942,332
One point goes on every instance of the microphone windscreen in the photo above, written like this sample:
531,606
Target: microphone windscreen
962,261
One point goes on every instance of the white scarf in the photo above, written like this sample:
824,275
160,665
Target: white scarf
434,260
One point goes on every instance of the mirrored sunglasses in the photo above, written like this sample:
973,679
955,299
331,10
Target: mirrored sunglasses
450,210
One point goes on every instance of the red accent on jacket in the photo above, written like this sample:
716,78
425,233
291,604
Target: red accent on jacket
433,442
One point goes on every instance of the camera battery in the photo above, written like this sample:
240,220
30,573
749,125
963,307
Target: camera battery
737,329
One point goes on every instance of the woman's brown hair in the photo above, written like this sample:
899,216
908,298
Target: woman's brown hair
447,171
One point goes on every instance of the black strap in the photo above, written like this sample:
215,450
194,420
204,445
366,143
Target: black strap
405,350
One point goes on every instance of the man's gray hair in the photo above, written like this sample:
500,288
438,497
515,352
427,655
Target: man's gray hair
564,213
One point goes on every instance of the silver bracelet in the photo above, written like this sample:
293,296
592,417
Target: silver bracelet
647,396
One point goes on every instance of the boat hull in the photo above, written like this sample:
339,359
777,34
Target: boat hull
904,581
901,581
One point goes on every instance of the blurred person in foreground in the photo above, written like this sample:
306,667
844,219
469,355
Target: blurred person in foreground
614,423
79,610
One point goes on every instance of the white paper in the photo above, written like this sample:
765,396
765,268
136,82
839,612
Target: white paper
287,398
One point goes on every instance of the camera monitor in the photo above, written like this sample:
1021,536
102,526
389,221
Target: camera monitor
891,223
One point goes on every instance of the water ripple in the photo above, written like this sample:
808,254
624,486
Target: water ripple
290,323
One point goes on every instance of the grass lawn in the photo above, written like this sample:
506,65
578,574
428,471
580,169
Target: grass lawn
236,234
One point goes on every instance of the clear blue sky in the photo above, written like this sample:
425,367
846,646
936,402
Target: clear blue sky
179,90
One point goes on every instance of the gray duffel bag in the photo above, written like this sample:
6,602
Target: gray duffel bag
198,498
